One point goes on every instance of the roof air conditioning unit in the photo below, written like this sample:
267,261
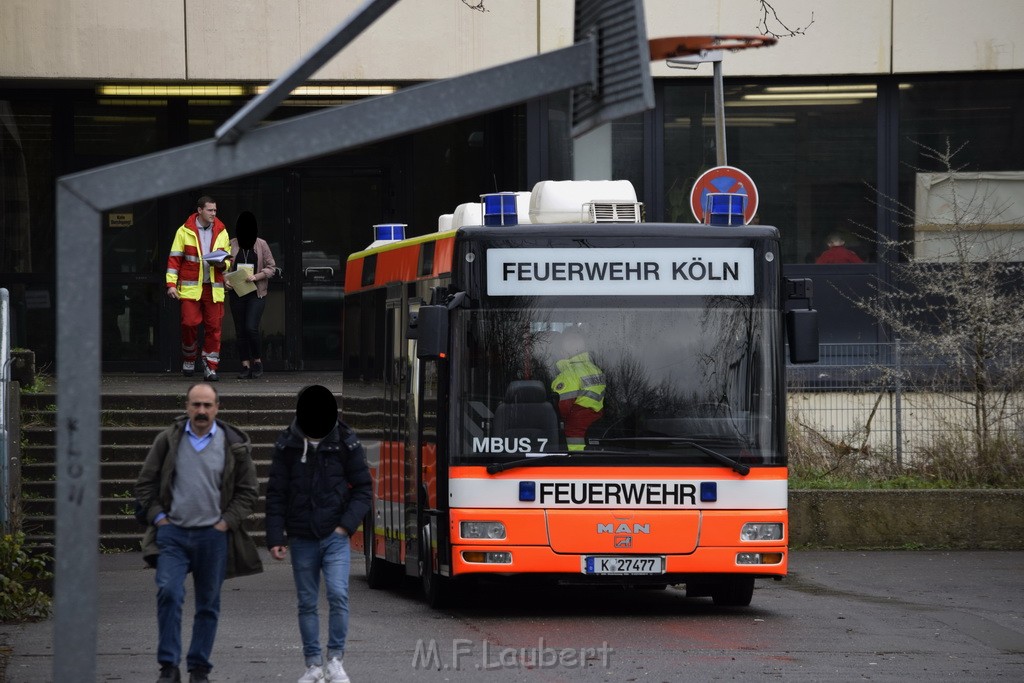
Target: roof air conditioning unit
612,212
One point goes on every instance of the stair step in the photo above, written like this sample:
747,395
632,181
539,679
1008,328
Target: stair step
128,425
121,436
45,454
241,402
117,483
161,417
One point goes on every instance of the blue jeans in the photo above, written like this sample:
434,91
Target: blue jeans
204,552
330,555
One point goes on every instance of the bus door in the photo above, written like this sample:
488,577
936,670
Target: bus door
393,438
433,520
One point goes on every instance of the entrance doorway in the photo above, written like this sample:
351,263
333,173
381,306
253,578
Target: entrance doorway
312,218
337,209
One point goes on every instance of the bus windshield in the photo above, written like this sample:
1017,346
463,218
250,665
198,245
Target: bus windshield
648,383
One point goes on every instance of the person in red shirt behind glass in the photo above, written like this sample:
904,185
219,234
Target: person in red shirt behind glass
837,252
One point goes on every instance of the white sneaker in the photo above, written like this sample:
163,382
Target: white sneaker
314,674
336,672
188,368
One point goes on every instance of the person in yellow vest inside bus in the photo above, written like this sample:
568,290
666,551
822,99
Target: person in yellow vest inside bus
199,256
580,386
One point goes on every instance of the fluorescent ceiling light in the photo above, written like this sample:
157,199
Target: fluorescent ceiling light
744,121
336,90
228,90
867,87
831,95
172,90
791,102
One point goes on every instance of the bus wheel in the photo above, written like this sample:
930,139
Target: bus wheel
436,588
379,572
733,592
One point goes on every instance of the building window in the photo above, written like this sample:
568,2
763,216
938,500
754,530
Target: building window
978,121
810,148
26,221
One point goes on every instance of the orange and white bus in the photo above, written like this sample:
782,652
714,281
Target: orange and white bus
456,346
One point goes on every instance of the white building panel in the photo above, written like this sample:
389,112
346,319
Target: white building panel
954,35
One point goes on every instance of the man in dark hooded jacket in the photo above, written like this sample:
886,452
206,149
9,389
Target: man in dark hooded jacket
318,492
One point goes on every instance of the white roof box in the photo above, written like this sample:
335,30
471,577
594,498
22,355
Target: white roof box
470,213
562,201
444,222
522,201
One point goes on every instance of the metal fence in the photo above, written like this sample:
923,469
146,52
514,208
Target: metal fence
896,400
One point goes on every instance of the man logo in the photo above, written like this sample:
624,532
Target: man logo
623,541
623,528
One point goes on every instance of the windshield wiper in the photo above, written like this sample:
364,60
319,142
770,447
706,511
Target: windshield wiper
736,466
496,467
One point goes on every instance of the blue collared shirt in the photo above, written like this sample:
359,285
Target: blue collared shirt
200,442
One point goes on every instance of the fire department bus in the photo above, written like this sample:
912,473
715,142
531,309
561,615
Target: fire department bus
455,344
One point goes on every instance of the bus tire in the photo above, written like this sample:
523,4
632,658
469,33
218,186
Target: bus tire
379,572
436,588
733,592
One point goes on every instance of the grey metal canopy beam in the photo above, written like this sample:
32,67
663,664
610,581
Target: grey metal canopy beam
607,69
259,107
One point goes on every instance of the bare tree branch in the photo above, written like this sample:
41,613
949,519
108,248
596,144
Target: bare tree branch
954,300
771,25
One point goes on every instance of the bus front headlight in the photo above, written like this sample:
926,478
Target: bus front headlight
761,531
482,530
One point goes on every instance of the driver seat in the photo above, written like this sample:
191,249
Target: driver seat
526,412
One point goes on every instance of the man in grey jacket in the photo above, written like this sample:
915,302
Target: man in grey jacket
197,487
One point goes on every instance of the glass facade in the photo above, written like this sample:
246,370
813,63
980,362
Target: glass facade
810,148
974,128
830,156
27,205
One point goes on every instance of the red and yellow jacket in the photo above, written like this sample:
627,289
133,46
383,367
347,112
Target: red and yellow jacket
183,263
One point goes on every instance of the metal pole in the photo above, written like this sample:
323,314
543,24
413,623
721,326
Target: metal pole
78,439
5,361
719,115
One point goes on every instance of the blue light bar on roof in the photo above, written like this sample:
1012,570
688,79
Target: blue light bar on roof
389,232
724,208
500,208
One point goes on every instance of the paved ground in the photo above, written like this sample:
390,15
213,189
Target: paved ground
883,616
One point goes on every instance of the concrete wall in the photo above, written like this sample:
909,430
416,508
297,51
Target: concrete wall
957,519
428,39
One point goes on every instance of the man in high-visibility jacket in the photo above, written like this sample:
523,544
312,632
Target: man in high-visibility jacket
580,386
199,285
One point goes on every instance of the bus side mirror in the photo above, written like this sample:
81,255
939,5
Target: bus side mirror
432,332
802,335
801,320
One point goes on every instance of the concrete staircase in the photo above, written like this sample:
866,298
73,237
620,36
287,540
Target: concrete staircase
129,424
